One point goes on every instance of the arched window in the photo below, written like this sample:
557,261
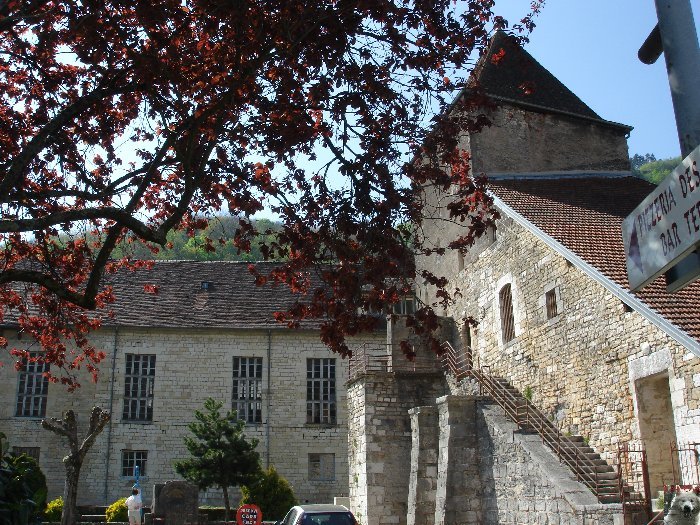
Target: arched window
505,298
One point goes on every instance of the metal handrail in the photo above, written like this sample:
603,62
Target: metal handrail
530,418
367,358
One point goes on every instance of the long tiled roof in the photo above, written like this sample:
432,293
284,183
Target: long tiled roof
233,300
585,215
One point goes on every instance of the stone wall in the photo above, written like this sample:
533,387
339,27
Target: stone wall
422,483
582,365
380,441
191,366
525,141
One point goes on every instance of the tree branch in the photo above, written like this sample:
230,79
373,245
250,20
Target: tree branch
66,427
18,166
98,419
115,214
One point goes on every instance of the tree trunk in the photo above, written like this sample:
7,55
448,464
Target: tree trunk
68,428
70,515
227,504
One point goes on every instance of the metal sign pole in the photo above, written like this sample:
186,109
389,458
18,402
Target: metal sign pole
682,54
137,485
675,36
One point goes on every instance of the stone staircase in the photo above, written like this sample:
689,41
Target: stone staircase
588,466
573,451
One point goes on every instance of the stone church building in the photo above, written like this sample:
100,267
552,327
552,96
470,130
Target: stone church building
573,399
208,332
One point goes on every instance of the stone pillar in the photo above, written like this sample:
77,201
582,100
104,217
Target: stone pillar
458,493
380,441
424,459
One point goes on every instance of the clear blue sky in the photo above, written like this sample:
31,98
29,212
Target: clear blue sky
591,46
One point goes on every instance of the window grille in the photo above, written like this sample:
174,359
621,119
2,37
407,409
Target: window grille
247,388
507,320
550,299
321,467
138,387
132,459
33,388
32,452
320,391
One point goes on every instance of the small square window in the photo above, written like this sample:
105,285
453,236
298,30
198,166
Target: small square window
32,452
321,467
132,459
550,299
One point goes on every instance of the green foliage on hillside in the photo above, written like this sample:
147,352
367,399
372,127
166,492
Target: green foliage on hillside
651,169
220,232
197,245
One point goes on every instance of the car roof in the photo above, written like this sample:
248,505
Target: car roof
322,507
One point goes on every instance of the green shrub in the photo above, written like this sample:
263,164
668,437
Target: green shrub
54,509
272,493
22,487
117,511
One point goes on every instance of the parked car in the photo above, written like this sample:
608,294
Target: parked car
318,515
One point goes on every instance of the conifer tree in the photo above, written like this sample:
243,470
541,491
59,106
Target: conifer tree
221,454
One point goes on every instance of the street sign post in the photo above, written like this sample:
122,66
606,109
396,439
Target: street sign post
665,227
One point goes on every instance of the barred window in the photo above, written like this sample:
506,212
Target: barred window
320,391
132,459
32,452
33,388
321,467
247,388
507,321
490,235
550,299
138,387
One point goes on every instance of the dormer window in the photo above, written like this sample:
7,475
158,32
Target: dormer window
206,286
405,306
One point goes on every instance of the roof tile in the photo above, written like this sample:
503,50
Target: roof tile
585,215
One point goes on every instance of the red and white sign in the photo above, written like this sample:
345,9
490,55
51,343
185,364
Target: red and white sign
249,514
665,227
